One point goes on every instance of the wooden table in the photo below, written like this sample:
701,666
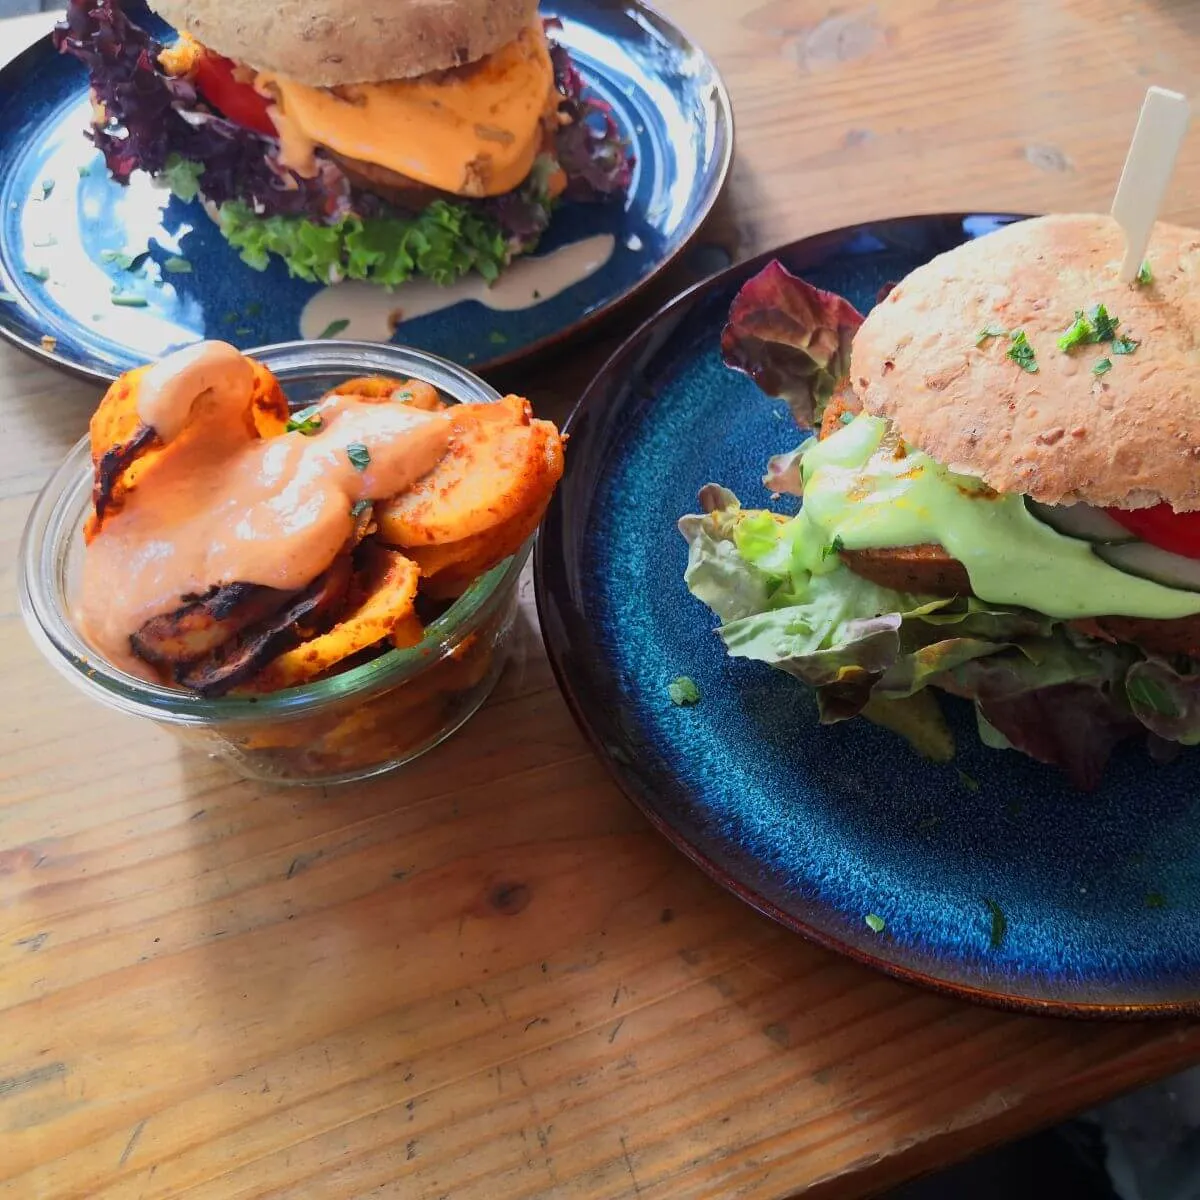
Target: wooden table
487,977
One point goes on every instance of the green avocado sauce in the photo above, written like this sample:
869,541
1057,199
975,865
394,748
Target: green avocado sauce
862,493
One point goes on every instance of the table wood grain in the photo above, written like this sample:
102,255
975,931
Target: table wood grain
486,977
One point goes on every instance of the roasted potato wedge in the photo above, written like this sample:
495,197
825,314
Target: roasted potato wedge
448,569
268,405
201,626
500,463
375,389
123,447
386,581
239,657
408,632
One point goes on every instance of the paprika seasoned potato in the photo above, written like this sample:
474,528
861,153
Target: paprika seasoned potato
476,481
123,446
501,465
385,592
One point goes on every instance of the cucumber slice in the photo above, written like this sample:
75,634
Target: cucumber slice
1081,521
1149,562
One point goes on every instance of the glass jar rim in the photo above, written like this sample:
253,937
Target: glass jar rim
56,519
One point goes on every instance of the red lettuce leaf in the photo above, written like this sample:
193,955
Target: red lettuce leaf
791,338
1073,726
150,118
589,146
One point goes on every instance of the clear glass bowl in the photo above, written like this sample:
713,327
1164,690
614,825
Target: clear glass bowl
362,722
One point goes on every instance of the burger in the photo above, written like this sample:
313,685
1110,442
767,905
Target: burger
1001,501
362,139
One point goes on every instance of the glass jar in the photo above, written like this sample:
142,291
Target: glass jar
362,722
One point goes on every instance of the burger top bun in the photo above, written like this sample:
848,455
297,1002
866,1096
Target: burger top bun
324,43
934,357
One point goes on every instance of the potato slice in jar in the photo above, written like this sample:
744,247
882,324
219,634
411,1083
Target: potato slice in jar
500,463
385,587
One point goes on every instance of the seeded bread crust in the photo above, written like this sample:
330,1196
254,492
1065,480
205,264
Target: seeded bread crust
326,43
1128,438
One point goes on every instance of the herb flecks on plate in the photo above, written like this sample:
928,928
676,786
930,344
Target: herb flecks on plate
683,692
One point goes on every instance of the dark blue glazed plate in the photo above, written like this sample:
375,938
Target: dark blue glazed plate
994,880
63,223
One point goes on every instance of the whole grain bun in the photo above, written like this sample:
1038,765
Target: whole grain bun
324,43
1128,438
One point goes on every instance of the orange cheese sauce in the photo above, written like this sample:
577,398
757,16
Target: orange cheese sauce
222,506
474,131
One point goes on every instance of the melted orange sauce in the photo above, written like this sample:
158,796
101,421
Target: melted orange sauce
474,131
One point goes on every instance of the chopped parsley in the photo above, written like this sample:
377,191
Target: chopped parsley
360,507
123,259
875,923
1080,333
497,338
41,274
43,243
834,547
129,300
1105,326
999,923
334,328
177,266
1145,276
359,456
1156,900
990,332
683,692
1021,352
968,781
1091,329
84,171
307,421
846,418
47,186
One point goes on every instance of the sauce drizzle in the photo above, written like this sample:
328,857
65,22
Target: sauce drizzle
220,505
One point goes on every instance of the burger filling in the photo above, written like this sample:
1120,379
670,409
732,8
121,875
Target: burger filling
1069,629
451,172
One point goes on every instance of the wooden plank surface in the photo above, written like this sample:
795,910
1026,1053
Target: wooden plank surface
487,977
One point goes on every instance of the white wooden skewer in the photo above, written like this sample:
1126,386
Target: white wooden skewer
1148,168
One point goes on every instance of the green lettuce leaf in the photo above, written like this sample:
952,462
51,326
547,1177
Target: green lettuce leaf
1038,686
443,243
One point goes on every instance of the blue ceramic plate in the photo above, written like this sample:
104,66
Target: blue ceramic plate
994,880
62,218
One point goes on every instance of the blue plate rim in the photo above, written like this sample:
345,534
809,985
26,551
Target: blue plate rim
579,707
725,125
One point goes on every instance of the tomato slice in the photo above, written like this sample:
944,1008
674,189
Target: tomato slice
237,101
1161,526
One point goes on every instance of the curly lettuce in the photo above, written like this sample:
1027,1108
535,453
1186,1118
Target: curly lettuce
443,243
1038,685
